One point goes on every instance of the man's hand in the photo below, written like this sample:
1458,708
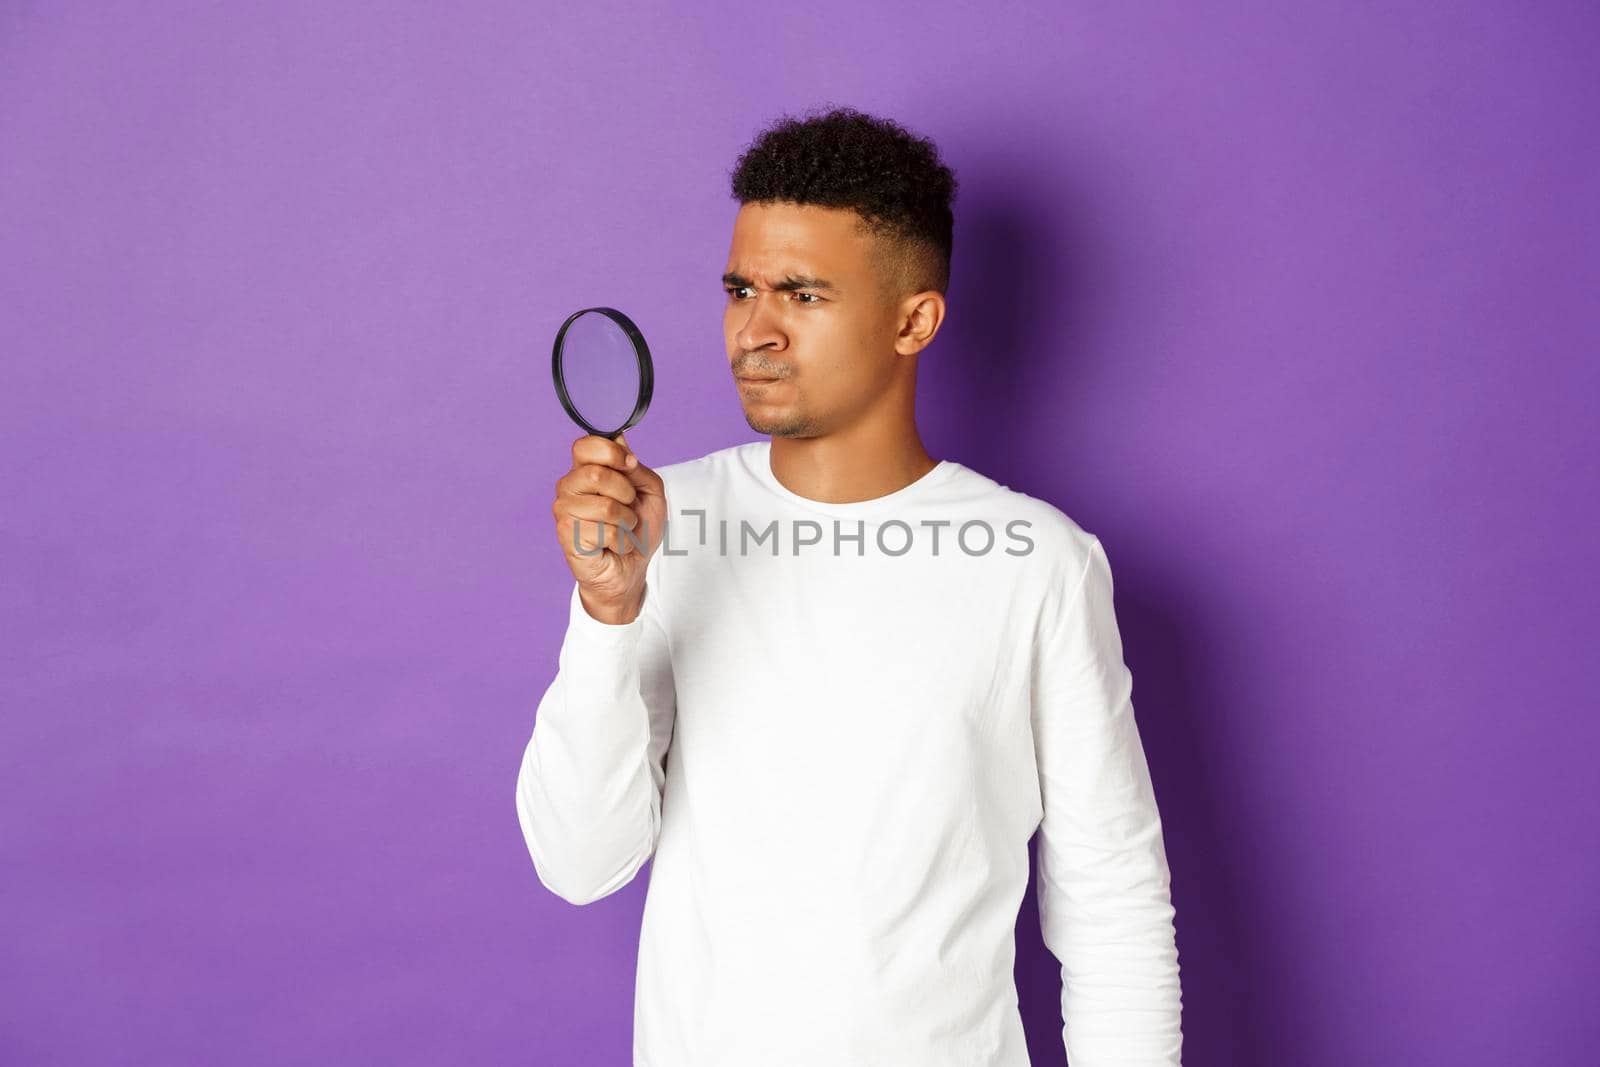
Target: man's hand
613,500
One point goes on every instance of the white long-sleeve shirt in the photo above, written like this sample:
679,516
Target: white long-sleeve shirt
835,728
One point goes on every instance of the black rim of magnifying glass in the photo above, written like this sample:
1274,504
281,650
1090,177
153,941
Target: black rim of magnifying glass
641,352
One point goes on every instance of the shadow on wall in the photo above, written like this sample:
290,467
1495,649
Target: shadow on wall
1033,283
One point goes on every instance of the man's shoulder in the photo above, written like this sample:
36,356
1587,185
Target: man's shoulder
1057,536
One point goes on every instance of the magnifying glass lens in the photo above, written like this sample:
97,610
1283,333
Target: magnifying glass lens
601,370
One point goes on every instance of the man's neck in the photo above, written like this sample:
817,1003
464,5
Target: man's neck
856,465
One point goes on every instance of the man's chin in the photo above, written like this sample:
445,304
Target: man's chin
780,427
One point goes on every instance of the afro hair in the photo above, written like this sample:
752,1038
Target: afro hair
890,177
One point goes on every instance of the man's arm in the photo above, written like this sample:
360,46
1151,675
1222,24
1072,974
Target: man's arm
1105,904
589,788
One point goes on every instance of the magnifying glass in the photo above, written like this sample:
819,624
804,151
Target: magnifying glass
602,371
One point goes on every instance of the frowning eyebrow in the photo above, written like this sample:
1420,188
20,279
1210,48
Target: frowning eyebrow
789,283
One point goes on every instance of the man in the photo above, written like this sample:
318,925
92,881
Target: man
837,688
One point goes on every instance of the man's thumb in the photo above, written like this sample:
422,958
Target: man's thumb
633,468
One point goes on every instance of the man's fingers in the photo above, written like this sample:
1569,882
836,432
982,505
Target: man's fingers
616,456
577,533
597,479
590,538
592,448
589,520
597,500
592,507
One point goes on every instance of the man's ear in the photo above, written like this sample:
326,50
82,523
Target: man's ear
920,317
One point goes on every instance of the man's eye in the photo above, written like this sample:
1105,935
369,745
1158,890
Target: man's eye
808,298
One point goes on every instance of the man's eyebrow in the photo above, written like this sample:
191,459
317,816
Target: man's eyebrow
789,283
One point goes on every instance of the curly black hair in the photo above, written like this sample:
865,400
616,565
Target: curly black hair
892,178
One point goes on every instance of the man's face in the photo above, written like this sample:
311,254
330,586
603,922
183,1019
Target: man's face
823,348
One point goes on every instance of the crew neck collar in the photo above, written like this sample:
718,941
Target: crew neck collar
759,459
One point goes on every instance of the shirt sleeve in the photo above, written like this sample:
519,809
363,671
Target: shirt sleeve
590,783
1104,896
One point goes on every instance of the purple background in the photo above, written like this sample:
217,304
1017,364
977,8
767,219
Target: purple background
1293,305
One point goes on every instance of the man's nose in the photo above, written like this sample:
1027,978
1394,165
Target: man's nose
761,327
